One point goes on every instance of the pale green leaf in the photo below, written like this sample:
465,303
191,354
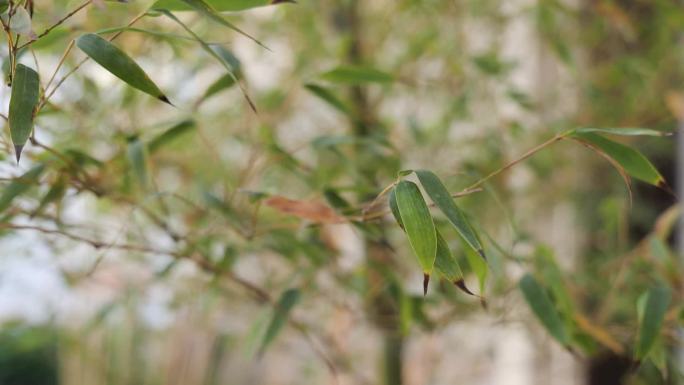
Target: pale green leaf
355,75
19,186
543,308
280,315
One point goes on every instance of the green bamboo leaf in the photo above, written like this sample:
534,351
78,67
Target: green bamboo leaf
223,83
445,202
553,277
328,96
19,186
631,160
170,134
418,224
137,159
627,131
4,6
218,5
477,265
355,75
543,308
114,60
446,264
651,319
206,9
228,61
282,310
23,102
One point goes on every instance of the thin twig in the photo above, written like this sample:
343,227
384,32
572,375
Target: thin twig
57,24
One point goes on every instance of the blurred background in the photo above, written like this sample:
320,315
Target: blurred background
157,246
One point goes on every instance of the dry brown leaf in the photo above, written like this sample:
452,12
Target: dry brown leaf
313,211
599,334
675,103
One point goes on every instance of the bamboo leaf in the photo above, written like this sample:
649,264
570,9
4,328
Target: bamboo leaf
114,60
417,221
23,102
627,131
224,59
19,186
328,96
282,310
651,319
355,75
445,202
447,265
543,308
218,5
170,134
137,159
201,6
631,160
445,262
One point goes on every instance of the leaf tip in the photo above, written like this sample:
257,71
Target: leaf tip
426,282
482,254
460,283
18,148
166,100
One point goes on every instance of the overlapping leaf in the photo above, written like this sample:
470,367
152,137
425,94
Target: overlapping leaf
418,224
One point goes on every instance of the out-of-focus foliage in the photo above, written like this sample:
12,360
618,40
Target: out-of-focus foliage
286,123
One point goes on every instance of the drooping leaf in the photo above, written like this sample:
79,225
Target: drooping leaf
445,263
417,221
204,8
170,134
23,102
280,315
355,75
543,308
477,264
631,160
227,63
19,186
218,5
445,202
627,131
328,96
137,159
116,61
651,319
223,83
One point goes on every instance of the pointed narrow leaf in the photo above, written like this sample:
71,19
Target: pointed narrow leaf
170,134
328,96
230,67
354,75
631,160
116,61
445,262
207,10
19,186
23,102
418,223
283,308
218,5
443,199
542,307
628,131
656,302
138,162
